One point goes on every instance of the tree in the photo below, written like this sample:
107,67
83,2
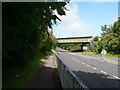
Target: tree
96,38
110,39
25,29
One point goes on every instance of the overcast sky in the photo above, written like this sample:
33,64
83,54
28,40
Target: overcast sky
86,18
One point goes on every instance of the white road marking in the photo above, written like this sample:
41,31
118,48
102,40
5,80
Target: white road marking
114,63
72,53
73,58
88,65
57,55
79,61
103,72
116,77
94,68
83,63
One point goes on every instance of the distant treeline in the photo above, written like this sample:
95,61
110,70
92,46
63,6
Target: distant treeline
70,47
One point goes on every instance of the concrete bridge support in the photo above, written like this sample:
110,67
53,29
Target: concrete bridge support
82,48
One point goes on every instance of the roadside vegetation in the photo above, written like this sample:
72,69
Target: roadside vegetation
27,39
70,47
109,40
99,54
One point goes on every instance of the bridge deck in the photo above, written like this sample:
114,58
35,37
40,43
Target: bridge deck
75,40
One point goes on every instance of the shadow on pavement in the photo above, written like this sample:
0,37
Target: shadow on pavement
46,77
98,81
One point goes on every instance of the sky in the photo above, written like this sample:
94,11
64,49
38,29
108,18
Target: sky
86,18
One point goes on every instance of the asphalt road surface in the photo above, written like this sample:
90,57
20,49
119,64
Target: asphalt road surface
94,73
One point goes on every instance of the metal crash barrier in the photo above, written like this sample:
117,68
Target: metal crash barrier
67,77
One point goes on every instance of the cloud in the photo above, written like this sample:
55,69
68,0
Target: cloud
106,0
73,23
94,0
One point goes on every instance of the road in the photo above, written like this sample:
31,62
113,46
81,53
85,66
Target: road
94,73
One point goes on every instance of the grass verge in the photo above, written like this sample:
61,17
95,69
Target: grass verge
20,77
107,55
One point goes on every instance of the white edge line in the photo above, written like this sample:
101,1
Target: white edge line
103,72
57,55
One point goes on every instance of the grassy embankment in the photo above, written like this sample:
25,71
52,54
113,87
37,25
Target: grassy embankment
107,55
75,49
22,76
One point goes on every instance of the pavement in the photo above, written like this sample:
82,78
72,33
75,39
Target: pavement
91,70
45,78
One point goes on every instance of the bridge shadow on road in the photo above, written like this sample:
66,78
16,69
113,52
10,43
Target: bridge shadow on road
98,81
62,51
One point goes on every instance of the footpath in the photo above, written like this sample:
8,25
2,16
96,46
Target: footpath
47,76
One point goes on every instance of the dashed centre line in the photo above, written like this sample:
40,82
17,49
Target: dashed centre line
116,77
88,65
94,68
83,63
103,72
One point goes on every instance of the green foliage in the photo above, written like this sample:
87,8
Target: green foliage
25,28
96,38
25,74
25,31
70,47
110,39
